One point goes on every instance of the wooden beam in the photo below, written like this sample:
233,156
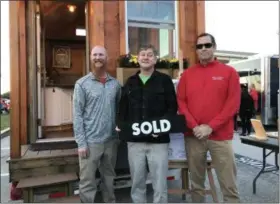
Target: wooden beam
111,34
23,72
182,27
200,17
96,23
15,80
194,12
123,25
32,72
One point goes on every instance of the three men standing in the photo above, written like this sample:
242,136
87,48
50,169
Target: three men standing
146,95
96,97
209,96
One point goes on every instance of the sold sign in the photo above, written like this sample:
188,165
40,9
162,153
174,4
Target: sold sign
157,126
147,128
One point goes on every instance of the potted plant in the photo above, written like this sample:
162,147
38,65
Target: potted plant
128,65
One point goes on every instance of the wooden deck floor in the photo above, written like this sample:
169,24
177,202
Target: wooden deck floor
27,154
44,162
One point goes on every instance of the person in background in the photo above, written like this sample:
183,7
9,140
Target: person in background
246,110
146,95
254,94
208,95
96,97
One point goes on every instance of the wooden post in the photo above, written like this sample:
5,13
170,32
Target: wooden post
15,80
96,23
189,29
200,17
122,28
23,72
32,72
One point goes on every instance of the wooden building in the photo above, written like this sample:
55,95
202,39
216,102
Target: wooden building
50,43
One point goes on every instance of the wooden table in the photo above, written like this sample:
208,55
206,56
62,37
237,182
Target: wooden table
272,144
183,165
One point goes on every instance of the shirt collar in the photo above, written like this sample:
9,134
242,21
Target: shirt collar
108,76
214,62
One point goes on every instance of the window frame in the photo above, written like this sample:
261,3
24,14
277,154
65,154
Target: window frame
140,23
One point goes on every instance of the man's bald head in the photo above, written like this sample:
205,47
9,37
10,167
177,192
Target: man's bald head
98,49
98,57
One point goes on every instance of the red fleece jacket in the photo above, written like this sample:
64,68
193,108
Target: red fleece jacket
210,95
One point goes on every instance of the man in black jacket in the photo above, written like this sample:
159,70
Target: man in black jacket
246,110
147,95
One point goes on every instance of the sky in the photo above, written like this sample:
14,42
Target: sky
245,26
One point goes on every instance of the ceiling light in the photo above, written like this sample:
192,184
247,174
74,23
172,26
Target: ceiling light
72,8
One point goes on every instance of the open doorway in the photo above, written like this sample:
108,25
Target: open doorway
62,53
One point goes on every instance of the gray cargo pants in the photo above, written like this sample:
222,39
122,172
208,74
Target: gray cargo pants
102,156
157,157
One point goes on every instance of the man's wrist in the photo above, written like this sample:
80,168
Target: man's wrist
82,146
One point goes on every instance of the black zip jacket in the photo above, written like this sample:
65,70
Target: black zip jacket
156,98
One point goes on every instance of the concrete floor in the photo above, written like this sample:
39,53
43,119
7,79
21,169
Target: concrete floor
247,159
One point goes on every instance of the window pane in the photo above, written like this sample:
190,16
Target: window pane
161,39
134,9
151,11
166,11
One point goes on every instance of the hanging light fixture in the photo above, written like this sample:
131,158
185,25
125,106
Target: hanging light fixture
71,8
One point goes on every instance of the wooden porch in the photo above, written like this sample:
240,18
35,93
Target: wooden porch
33,163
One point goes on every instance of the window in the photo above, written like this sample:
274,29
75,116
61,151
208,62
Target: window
80,32
152,22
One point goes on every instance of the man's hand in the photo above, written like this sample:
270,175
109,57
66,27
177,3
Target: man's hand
196,131
83,152
202,131
117,129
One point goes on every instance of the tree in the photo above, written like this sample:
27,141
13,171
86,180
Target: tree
6,95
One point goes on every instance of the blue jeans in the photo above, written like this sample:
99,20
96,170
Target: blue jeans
157,157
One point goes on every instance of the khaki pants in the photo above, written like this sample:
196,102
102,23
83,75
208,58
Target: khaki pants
102,156
157,157
223,162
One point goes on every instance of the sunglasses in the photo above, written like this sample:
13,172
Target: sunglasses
206,45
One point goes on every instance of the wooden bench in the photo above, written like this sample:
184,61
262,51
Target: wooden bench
47,184
183,165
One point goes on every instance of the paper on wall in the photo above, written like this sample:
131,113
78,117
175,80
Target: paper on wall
176,150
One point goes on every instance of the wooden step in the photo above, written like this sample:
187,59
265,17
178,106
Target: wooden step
54,144
68,199
47,180
47,184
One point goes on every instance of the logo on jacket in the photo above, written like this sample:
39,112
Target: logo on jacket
217,78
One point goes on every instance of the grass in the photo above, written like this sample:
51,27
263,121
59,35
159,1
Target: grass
5,121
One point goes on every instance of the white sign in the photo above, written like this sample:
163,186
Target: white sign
176,149
148,128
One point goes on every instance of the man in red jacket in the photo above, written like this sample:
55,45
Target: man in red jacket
208,95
